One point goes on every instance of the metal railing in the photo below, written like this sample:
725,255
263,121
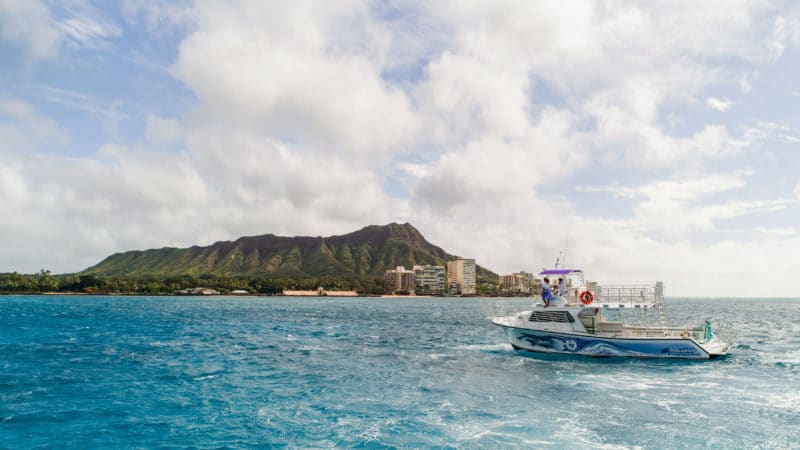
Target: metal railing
647,299
630,295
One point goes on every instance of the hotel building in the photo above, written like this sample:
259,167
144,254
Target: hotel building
516,283
462,272
399,281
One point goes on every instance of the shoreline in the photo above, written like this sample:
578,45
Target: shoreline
129,294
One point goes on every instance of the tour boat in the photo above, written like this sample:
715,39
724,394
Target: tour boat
604,321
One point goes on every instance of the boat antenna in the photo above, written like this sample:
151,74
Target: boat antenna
557,259
566,241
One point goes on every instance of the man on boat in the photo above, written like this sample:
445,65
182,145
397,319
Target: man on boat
546,294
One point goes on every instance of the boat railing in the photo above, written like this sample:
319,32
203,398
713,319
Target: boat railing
629,295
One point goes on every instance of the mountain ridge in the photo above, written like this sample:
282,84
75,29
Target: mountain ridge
367,252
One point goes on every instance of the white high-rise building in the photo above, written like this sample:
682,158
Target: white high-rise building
462,272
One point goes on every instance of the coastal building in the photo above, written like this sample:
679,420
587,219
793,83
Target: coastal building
452,288
429,280
197,291
462,272
516,283
399,281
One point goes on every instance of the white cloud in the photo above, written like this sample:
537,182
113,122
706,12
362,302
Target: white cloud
680,190
160,16
85,32
22,128
13,190
677,208
163,131
101,206
28,23
719,104
496,166
786,32
629,131
16,109
414,170
41,29
778,232
84,25
296,76
81,101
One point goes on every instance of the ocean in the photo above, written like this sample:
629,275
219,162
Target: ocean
147,372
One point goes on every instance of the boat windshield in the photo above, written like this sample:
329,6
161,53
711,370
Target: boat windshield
607,314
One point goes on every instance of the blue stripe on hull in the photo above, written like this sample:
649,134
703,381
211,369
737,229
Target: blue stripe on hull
545,342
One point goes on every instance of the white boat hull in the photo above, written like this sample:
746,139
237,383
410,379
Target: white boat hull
585,344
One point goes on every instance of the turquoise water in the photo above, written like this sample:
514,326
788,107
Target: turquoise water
105,372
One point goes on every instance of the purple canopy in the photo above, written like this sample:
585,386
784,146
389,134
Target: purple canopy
558,271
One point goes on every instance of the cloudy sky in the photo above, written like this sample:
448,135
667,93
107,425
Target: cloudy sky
657,140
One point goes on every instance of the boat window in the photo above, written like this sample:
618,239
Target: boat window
551,316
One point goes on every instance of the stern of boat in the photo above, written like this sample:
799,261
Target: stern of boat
718,342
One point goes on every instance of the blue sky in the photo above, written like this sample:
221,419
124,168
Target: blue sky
662,140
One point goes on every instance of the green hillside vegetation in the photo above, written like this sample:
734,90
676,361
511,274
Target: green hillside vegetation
44,282
366,253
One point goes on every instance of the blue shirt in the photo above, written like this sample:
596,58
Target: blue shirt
546,294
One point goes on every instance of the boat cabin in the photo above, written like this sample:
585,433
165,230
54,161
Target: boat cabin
575,285
588,320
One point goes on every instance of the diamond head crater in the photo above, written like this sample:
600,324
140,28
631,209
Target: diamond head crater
265,264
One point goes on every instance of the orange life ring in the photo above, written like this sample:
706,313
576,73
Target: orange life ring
587,297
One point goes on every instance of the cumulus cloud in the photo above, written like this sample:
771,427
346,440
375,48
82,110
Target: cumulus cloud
163,131
303,75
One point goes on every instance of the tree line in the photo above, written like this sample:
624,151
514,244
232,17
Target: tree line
43,281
